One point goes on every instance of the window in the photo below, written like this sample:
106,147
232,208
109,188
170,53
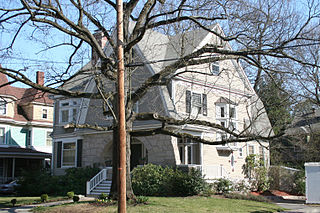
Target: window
69,111
240,152
189,151
251,150
44,113
2,136
215,70
3,107
261,154
232,112
196,103
69,154
29,138
48,139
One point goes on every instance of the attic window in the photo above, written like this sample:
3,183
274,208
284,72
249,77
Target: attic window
44,113
215,69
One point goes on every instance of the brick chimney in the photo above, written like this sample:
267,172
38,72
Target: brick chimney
40,78
102,41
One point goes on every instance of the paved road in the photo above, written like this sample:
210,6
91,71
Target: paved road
297,206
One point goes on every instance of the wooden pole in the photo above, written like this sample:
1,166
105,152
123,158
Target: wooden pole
122,130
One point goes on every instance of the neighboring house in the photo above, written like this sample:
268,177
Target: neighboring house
301,141
224,96
26,118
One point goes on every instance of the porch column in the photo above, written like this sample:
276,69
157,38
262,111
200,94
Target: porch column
13,167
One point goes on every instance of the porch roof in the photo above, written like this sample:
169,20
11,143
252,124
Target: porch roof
17,152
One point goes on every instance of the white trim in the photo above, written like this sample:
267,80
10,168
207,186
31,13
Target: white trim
5,127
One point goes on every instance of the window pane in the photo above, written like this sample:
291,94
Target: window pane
44,113
251,150
189,155
69,145
181,154
222,112
215,68
64,115
2,134
232,112
196,99
3,105
49,139
69,153
74,115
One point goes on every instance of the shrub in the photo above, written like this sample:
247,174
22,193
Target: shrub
242,186
223,186
148,180
247,197
44,198
300,183
185,184
13,202
70,194
141,200
35,183
152,180
76,198
208,190
103,196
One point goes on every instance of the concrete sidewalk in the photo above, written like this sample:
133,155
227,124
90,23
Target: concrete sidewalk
27,208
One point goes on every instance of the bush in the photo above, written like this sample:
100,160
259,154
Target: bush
247,197
35,183
185,184
300,183
70,194
76,198
141,200
223,186
103,196
13,202
44,198
153,180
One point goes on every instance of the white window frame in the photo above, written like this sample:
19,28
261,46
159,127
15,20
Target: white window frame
240,152
4,135
184,146
215,68
70,106
3,106
253,148
29,138
75,154
226,120
196,108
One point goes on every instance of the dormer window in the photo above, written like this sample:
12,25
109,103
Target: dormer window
69,110
3,107
215,69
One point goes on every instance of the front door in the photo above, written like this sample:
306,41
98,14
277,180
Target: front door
136,155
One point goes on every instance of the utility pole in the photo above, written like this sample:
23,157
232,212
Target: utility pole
122,195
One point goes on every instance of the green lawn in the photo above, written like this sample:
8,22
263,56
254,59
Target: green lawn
174,204
5,201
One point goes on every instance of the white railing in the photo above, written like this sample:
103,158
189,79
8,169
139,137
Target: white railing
214,172
101,176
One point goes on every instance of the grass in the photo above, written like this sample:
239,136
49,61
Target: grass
172,204
5,201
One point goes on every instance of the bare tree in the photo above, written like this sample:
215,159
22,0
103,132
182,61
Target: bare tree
259,38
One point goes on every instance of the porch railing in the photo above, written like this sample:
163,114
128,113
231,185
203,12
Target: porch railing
214,171
98,178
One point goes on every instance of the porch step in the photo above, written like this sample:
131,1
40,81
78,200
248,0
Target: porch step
103,187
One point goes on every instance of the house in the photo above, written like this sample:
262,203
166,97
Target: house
26,119
300,143
222,95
